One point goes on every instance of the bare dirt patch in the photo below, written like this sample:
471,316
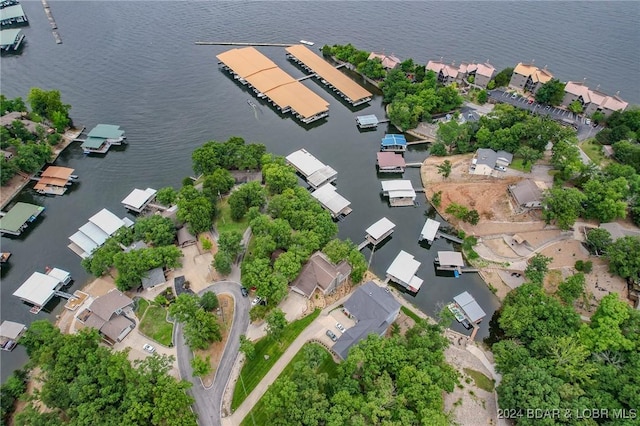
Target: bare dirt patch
215,351
565,253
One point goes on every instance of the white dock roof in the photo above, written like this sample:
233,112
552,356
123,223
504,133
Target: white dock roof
59,274
107,221
429,230
38,289
85,243
139,197
450,258
404,267
398,188
306,163
96,234
415,283
470,306
11,330
380,228
325,174
329,198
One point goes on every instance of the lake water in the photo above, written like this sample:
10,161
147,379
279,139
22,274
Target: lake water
135,64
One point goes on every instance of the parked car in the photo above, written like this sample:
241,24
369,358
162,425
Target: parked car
332,335
466,324
530,101
587,121
340,327
255,301
147,347
244,291
515,95
501,168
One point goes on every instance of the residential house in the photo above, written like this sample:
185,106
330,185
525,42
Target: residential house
482,73
446,73
111,314
153,278
529,78
321,274
185,238
486,160
592,100
526,194
389,62
374,309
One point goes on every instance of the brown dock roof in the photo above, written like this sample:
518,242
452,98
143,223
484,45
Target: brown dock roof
325,70
54,176
390,159
269,79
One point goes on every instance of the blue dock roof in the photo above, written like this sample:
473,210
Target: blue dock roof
393,140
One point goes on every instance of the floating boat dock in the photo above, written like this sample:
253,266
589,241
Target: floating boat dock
268,81
39,288
470,308
452,261
18,218
54,180
390,162
139,199
377,233
341,84
10,332
369,121
12,16
101,138
95,232
11,40
429,231
400,192
312,170
403,271
393,142
335,203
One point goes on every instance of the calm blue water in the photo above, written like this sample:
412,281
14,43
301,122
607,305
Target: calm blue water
135,64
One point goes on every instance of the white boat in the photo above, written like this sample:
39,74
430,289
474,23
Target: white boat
308,43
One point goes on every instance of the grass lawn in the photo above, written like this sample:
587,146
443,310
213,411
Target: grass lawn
517,165
224,222
594,151
257,415
141,306
482,381
408,312
255,369
155,326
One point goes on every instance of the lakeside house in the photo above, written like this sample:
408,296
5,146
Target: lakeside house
185,238
527,194
31,126
320,274
393,142
607,151
403,271
373,309
380,230
445,73
335,203
529,78
389,62
101,137
111,315
429,231
40,288
139,199
592,101
390,162
18,218
315,172
54,180
449,73
486,160
400,192
618,231
95,232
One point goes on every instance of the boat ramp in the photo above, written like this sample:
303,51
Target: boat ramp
40,288
330,76
312,170
18,218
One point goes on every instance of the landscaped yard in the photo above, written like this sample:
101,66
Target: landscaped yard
154,325
141,307
517,165
257,415
225,223
594,151
482,381
256,368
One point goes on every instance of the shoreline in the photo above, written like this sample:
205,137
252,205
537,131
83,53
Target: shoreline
20,180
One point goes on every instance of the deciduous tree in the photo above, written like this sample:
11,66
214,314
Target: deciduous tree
209,301
563,205
622,260
276,323
444,168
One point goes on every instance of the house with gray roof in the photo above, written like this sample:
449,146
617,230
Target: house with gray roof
320,273
373,308
486,160
526,194
154,277
111,314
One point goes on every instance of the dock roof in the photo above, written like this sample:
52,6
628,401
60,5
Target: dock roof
139,197
86,244
367,120
398,188
470,306
11,330
403,267
54,176
429,230
328,72
19,214
106,131
450,258
107,221
264,75
9,37
390,159
93,142
11,12
37,289
330,199
305,162
393,140
380,228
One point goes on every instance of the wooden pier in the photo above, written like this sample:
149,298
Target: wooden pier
238,43
448,237
52,22
457,268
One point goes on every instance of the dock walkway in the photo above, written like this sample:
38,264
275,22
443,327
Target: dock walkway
238,43
52,22
449,237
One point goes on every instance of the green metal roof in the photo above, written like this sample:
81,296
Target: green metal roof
106,131
18,216
8,37
92,142
14,11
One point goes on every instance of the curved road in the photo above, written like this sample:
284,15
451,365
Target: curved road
208,402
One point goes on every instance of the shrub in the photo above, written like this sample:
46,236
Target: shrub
206,243
579,265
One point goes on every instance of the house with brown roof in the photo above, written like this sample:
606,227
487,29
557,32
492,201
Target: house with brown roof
321,274
389,62
111,314
529,78
482,73
592,100
446,73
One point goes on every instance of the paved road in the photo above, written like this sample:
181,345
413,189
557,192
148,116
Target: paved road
208,402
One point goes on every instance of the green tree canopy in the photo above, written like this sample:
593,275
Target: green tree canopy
167,196
622,260
155,229
276,323
47,103
551,92
249,195
209,301
563,205
217,184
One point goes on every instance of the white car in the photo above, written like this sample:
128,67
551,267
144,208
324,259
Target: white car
515,95
147,347
587,121
255,301
340,327
501,168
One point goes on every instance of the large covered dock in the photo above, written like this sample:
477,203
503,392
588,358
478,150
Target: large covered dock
315,172
335,203
19,217
95,232
346,88
252,68
39,288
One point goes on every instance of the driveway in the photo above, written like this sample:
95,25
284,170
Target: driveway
208,401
